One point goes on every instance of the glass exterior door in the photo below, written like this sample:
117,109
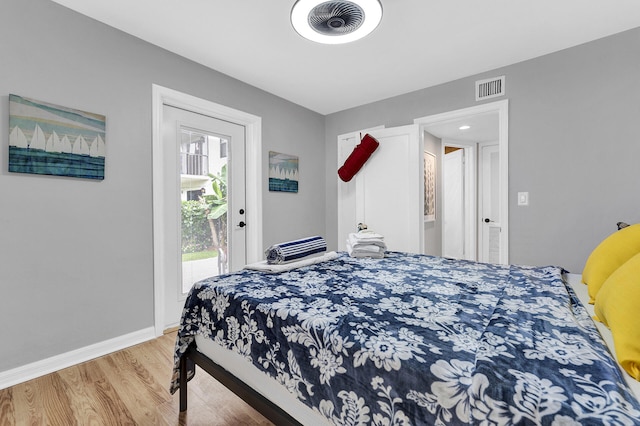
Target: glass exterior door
204,190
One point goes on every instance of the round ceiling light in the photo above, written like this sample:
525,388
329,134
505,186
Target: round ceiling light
335,21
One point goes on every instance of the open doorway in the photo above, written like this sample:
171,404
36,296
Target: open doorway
459,230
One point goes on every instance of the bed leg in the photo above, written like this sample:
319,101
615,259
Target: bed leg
183,383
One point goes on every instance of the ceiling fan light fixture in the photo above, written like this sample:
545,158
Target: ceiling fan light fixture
335,21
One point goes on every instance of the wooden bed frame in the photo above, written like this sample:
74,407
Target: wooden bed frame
261,404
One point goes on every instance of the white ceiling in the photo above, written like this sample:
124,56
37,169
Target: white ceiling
482,128
419,43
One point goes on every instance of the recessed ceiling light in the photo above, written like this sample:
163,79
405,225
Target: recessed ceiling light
335,21
465,127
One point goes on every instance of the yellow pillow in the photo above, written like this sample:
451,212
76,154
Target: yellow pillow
618,307
610,254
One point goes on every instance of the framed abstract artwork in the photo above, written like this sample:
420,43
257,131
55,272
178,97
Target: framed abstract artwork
49,139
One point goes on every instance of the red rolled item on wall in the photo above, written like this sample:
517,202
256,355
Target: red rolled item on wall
358,157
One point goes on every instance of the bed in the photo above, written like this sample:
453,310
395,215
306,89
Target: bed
407,339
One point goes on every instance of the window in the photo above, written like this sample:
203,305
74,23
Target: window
223,148
195,195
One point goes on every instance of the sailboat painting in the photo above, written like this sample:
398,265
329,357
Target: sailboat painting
49,139
283,172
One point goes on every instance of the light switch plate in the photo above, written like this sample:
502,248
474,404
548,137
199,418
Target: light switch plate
523,198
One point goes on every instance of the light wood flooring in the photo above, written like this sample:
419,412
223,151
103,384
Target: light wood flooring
129,387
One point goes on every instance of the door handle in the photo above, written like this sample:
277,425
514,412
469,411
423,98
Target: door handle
487,220
242,224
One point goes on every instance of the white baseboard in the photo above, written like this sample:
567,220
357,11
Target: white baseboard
49,365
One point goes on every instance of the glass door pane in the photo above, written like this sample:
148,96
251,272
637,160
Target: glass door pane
203,190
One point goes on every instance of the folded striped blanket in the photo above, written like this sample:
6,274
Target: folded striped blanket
294,250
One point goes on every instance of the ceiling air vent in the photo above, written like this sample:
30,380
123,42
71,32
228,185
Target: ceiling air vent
489,88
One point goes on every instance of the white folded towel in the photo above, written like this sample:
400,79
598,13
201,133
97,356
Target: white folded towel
373,251
367,235
284,267
366,244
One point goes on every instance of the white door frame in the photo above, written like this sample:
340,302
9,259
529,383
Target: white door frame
253,139
502,108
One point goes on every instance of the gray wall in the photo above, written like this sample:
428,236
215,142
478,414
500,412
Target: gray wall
573,144
76,264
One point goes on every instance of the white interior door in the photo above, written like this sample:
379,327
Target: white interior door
489,170
386,194
453,236
193,147
347,190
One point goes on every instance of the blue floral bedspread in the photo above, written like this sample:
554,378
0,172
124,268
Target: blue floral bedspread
414,339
